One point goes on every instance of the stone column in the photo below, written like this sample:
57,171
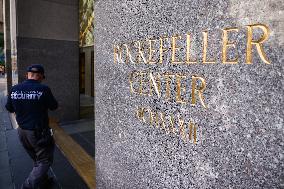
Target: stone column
47,34
189,94
7,43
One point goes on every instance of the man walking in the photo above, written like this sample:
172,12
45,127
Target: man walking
30,101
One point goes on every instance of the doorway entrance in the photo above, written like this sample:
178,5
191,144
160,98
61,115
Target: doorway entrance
86,64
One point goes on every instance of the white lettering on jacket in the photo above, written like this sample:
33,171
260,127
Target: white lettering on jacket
30,95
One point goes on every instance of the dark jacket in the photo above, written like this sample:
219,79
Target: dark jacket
30,101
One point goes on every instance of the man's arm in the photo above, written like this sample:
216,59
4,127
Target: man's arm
9,105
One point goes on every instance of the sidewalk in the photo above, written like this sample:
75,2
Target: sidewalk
15,164
82,131
5,168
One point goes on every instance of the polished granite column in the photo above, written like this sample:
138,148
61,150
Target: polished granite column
47,34
150,55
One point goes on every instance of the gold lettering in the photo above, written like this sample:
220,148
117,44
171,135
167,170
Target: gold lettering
188,61
205,46
175,48
180,89
226,44
156,84
151,51
154,118
162,49
163,124
117,54
190,125
181,129
199,91
195,134
140,114
131,81
151,116
168,86
127,54
142,82
257,43
172,124
192,132
157,119
140,53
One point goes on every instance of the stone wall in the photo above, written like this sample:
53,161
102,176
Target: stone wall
201,109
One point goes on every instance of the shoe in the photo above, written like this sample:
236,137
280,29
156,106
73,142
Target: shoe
47,183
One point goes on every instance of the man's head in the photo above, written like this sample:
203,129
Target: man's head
35,72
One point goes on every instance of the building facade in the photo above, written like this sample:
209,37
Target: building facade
54,34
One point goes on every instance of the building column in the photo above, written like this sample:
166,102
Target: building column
7,43
47,34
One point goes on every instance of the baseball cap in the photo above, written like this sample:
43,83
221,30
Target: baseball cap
36,68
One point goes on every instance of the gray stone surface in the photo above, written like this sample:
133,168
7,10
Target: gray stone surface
47,34
60,60
240,140
48,19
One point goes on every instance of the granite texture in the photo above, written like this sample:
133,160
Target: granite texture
240,135
46,32
60,60
48,19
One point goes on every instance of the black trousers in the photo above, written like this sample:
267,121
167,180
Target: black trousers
42,158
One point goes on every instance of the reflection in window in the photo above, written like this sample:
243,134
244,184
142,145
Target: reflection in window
86,19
